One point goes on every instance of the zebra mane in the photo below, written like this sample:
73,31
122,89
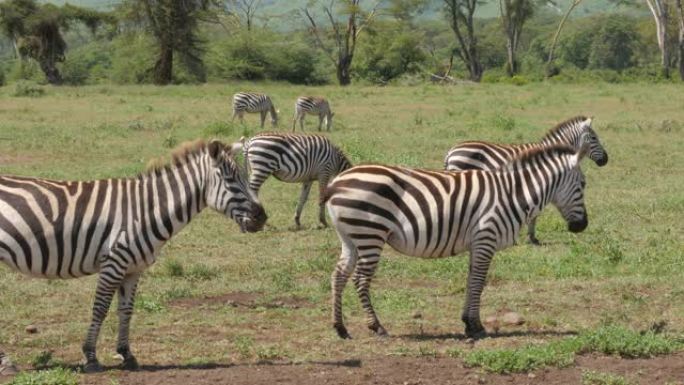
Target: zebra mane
545,151
565,124
179,155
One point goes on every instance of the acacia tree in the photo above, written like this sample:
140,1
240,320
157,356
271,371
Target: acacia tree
660,11
550,70
514,14
174,25
344,37
36,31
459,14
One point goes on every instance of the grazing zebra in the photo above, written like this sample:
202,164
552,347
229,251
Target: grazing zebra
57,229
254,102
435,214
475,155
294,158
315,106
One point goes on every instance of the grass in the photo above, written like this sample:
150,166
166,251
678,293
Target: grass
591,377
57,376
623,272
610,340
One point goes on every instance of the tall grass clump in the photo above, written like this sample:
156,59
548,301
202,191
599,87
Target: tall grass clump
56,376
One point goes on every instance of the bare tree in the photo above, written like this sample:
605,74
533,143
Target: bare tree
680,13
660,11
344,38
549,63
248,10
459,14
514,14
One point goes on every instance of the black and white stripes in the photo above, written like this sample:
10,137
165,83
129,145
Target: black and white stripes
294,158
312,105
253,102
58,229
436,214
477,155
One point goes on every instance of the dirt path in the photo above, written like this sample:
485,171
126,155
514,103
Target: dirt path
394,370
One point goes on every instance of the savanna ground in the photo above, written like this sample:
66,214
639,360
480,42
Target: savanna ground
221,306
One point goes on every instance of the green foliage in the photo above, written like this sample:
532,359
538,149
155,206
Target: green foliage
24,88
388,54
202,272
613,340
132,58
591,377
613,46
56,376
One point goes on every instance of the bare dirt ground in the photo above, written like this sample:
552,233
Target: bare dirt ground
391,370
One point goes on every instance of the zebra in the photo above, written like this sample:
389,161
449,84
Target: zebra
116,227
477,155
294,158
254,102
435,214
315,106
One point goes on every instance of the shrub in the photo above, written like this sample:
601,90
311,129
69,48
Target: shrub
132,58
57,376
25,88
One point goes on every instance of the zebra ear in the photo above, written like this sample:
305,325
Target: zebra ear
587,123
216,149
237,146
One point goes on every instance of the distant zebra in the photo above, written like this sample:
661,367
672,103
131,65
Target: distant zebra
435,214
476,155
253,102
59,229
294,158
315,106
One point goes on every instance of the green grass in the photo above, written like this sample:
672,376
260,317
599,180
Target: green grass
598,378
57,376
610,340
623,271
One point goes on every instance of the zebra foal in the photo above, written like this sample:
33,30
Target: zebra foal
294,158
434,214
575,132
312,105
116,227
253,102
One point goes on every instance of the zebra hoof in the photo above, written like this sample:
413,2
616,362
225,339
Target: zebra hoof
476,334
92,367
534,241
130,363
379,330
8,369
342,332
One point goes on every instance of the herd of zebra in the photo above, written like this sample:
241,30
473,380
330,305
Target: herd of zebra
116,227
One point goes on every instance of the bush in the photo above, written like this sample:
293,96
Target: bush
389,55
88,64
132,58
24,88
613,46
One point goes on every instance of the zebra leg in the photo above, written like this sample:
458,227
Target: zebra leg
320,122
344,267
480,258
126,299
306,187
363,275
301,122
322,184
111,275
263,118
7,368
531,237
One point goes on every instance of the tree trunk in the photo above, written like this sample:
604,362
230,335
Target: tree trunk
549,63
680,13
163,68
512,66
660,15
51,72
343,70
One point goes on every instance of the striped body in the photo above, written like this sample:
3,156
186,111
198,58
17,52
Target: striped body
253,102
434,214
312,105
59,229
294,158
478,155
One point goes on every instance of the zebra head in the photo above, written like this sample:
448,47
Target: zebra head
590,144
569,195
226,189
274,117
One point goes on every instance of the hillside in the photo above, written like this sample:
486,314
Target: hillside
281,7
